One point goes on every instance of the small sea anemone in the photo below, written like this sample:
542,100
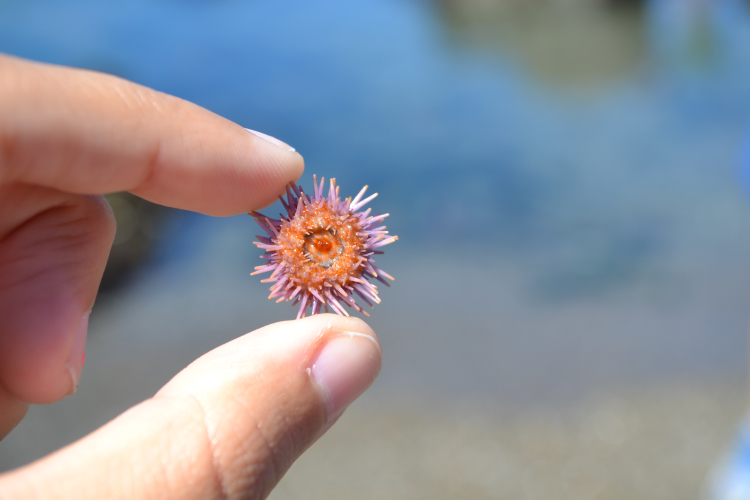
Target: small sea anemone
321,252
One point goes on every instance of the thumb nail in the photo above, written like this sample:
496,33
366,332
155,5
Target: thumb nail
344,368
76,358
272,140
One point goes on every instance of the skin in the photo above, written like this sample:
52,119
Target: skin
231,423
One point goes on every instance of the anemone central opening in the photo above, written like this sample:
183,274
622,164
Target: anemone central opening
323,247
323,244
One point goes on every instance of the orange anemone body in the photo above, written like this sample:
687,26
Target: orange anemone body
320,254
320,249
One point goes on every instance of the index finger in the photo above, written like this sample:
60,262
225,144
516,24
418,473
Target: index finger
90,133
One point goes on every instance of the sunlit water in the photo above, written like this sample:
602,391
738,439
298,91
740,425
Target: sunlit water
568,187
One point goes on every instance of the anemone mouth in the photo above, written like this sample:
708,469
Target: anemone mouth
323,247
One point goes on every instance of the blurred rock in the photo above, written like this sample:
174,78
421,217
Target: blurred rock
572,42
139,226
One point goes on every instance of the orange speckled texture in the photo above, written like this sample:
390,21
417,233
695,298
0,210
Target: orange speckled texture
321,248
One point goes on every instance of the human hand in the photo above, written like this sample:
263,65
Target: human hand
232,422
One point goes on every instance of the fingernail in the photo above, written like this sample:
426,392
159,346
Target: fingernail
77,355
273,140
345,367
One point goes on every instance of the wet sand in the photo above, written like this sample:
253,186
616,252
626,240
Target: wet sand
629,394
658,443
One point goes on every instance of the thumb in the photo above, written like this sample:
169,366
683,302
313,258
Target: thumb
228,426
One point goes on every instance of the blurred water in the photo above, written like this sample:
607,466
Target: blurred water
569,185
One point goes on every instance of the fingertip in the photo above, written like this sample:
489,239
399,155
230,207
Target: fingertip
279,144
286,383
44,311
281,164
218,168
33,365
344,367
